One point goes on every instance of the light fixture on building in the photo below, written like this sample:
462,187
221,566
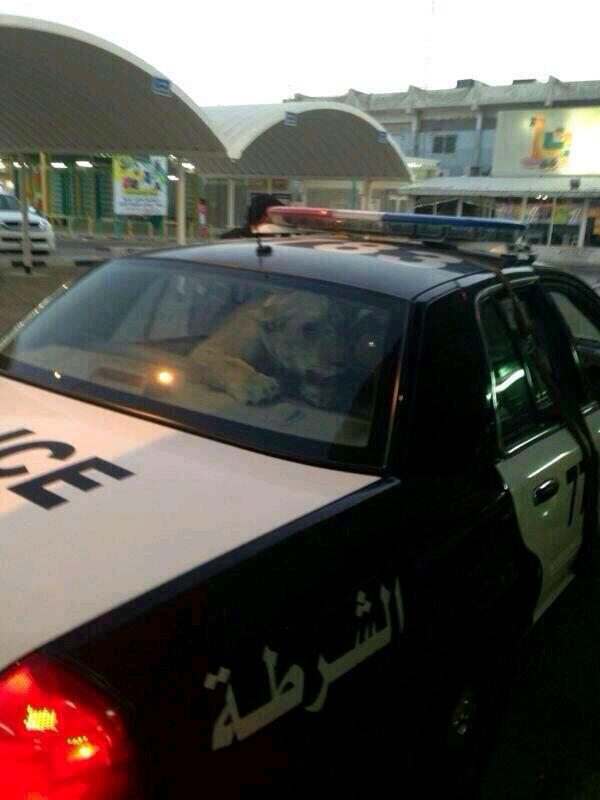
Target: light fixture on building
2,165
545,197
84,164
188,165
172,157
58,164
172,177
16,165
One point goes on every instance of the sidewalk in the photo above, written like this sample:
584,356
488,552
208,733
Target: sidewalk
73,253
85,250
19,292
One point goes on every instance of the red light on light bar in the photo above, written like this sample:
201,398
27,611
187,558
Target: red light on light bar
301,211
302,217
60,737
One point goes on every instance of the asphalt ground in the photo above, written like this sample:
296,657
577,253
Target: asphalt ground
549,744
20,292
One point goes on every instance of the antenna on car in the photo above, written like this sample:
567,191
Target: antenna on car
262,249
257,212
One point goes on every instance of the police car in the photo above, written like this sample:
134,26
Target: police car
273,514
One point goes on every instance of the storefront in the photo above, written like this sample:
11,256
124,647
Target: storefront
546,173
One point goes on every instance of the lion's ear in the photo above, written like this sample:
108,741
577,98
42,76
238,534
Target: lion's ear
272,317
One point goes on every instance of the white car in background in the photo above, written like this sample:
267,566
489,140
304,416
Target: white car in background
11,234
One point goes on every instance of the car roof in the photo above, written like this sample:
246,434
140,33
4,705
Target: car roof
400,269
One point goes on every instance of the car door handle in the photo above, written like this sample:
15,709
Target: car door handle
545,491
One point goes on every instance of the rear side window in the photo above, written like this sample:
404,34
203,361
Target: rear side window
511,391
521,398
578,322
447,422
583,321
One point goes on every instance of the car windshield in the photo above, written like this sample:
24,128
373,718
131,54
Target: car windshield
293,367
9,203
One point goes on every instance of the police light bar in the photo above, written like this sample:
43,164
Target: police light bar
414,226
500,238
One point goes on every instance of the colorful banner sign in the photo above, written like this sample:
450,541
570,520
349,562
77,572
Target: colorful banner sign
549,141
140,185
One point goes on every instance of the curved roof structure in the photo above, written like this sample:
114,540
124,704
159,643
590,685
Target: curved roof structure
66,91
304,139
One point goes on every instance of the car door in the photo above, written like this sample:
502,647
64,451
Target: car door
539,459
579,308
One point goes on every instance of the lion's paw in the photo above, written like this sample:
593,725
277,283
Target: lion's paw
256,389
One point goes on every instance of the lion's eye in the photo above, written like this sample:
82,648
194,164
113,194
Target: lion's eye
310,329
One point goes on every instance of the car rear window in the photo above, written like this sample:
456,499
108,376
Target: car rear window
291,367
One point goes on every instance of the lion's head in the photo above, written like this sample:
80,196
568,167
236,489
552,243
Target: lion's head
304,333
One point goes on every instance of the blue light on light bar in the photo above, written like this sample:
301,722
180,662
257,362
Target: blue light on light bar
425,227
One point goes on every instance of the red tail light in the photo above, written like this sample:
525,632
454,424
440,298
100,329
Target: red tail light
61,738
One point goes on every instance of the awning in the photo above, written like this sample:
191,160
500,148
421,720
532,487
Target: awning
466,186
305,139
65,91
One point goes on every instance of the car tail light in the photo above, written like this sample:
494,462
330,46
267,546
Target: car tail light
61,738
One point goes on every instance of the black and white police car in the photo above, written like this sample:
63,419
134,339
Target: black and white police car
272,515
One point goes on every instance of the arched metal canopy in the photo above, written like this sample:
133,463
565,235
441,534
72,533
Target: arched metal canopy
304,139
66,91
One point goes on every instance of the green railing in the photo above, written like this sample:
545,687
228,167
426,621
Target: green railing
126,228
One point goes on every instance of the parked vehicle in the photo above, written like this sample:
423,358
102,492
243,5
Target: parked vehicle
41,232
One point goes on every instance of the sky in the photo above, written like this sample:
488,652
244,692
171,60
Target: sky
223,53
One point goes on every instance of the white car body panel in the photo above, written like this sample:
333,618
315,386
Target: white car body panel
545,528
42,239
188,501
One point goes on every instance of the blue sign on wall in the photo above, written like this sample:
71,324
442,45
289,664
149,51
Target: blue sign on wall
161,86
382,136
290,118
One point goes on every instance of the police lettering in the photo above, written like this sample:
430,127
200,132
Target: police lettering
58,450
34,489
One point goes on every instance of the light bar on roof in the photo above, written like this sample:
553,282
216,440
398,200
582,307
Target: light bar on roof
425,227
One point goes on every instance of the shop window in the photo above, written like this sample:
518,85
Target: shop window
257,184
444,144
592,233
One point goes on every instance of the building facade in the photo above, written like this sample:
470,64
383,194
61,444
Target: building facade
457,127
528,151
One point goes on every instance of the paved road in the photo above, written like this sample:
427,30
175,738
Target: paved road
549,747
20,292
